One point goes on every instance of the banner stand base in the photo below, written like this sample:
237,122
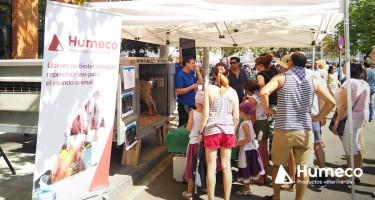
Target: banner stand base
97,194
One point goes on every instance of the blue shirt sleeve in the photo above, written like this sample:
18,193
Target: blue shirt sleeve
179,80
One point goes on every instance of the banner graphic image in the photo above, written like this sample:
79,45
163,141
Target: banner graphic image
77,102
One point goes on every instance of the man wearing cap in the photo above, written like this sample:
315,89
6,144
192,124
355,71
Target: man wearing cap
284,63
293,126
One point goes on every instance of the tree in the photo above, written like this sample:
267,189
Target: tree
330,47
79,2
138,49
361,26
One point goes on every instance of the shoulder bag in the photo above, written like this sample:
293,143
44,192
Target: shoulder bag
342,122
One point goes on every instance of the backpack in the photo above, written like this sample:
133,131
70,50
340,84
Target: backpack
200,170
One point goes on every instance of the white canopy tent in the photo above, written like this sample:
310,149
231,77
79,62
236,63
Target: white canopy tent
271,23
243,23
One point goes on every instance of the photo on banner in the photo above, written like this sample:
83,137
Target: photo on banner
77,110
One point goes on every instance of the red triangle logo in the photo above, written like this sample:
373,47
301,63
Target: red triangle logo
55,44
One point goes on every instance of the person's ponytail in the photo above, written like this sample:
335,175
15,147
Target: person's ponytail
221,72
223,82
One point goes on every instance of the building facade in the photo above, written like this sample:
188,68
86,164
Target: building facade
22,28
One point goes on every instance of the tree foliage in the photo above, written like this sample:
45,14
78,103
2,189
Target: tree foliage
138,49
361,26
330,47
228,51
79,2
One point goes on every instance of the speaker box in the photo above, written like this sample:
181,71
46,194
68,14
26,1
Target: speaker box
3,33
188,48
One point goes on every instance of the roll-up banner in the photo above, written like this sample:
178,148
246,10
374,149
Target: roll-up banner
77,104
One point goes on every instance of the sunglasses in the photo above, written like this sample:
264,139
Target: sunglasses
232,63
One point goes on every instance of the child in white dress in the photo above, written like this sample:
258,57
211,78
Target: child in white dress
250,165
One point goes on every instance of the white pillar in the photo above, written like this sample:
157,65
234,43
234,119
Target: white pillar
349,90
206,67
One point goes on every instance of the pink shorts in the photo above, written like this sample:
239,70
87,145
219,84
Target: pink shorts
219,140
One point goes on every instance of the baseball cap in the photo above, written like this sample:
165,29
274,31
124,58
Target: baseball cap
284,61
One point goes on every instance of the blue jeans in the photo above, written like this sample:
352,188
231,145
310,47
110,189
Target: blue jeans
372,92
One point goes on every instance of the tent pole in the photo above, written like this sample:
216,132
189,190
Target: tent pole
313,58
349,92
206,67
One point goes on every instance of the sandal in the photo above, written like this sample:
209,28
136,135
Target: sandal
187,196
260,181
288,187
243,192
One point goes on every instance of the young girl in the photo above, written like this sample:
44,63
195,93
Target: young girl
261,125
250,166
192,149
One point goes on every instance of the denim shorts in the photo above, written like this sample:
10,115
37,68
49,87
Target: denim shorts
317,132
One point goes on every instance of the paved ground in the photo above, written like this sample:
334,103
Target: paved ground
159,184
20,150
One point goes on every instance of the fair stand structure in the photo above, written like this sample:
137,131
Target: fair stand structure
219,23
160,75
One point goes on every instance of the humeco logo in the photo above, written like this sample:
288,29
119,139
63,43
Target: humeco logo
55,44
282,176
76,42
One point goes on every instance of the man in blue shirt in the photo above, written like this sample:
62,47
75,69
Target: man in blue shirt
186,86
178,68
237,77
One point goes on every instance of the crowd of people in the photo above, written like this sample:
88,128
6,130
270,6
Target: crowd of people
278,116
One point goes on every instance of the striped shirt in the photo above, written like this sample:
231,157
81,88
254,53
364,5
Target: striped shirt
294,101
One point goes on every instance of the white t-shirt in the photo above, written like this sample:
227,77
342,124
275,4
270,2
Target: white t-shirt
253,144
323,76
315,106
195,128
361,109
